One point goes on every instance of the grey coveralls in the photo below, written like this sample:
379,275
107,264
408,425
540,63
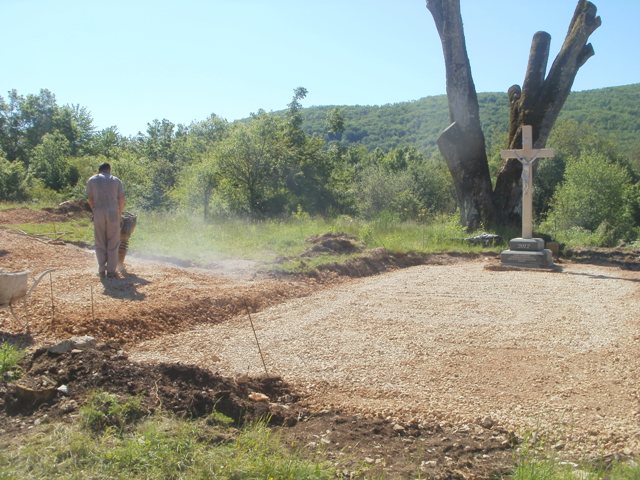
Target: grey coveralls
104,192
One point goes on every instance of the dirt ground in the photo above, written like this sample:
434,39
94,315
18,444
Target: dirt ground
439,369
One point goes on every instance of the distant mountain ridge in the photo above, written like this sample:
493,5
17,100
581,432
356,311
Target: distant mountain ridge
613,111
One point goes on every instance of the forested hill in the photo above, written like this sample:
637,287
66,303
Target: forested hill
613,112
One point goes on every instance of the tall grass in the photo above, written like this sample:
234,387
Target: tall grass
190,238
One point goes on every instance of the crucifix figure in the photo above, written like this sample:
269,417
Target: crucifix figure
527,156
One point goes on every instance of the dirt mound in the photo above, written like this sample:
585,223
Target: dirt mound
380,260
333,243
70,207
185,390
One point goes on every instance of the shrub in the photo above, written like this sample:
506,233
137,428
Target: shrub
593,197
12,181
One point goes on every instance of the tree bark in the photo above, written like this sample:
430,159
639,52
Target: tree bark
462,144
537,103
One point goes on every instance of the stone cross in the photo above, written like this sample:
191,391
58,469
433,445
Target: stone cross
527,156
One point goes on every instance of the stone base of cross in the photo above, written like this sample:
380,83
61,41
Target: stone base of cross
527,251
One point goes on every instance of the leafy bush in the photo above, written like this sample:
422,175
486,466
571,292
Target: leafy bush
593,197
12,181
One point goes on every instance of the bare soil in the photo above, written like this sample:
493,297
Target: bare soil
439,369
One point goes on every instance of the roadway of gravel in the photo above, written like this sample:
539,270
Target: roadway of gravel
553,354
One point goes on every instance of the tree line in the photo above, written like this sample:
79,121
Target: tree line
302,160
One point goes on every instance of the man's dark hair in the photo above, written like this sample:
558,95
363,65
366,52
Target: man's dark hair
105,167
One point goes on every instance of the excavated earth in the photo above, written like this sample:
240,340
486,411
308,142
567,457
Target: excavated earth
440,369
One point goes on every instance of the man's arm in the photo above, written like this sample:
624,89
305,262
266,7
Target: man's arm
121,202
90,200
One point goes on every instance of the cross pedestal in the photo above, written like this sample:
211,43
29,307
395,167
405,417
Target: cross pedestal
527,251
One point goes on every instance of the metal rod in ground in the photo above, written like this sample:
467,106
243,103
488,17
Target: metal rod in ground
93,315
52,307
257,342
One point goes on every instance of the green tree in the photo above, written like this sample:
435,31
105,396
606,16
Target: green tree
49,162
594,195
157,150
251,165
382,191
570,139
12,181
335,124
198,182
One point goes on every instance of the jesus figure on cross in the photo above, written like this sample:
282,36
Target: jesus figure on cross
527,156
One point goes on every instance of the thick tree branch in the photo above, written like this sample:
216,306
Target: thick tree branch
542,99
574,53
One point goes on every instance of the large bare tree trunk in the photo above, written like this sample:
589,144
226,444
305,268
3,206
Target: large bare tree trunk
537,103
462,143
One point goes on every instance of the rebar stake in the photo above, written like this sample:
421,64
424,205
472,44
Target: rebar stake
52,307
256,337
93,315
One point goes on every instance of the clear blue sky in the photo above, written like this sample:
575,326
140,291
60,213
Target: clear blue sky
132,61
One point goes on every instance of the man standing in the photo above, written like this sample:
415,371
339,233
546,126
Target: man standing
105,195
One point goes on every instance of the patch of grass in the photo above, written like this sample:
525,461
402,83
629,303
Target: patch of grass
174,234
160,447
534,464
192,238
10,356
219,418
267,240
30,205
77,230
104,410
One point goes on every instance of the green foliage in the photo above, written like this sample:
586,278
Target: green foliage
404,183
13,186
331,160
104,410
613,113
594,198
250,165
10,356
380,190
25,120
49,162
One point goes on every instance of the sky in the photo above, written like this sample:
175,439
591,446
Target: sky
129,62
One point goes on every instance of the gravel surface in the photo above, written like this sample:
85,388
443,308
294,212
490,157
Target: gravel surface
554,354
